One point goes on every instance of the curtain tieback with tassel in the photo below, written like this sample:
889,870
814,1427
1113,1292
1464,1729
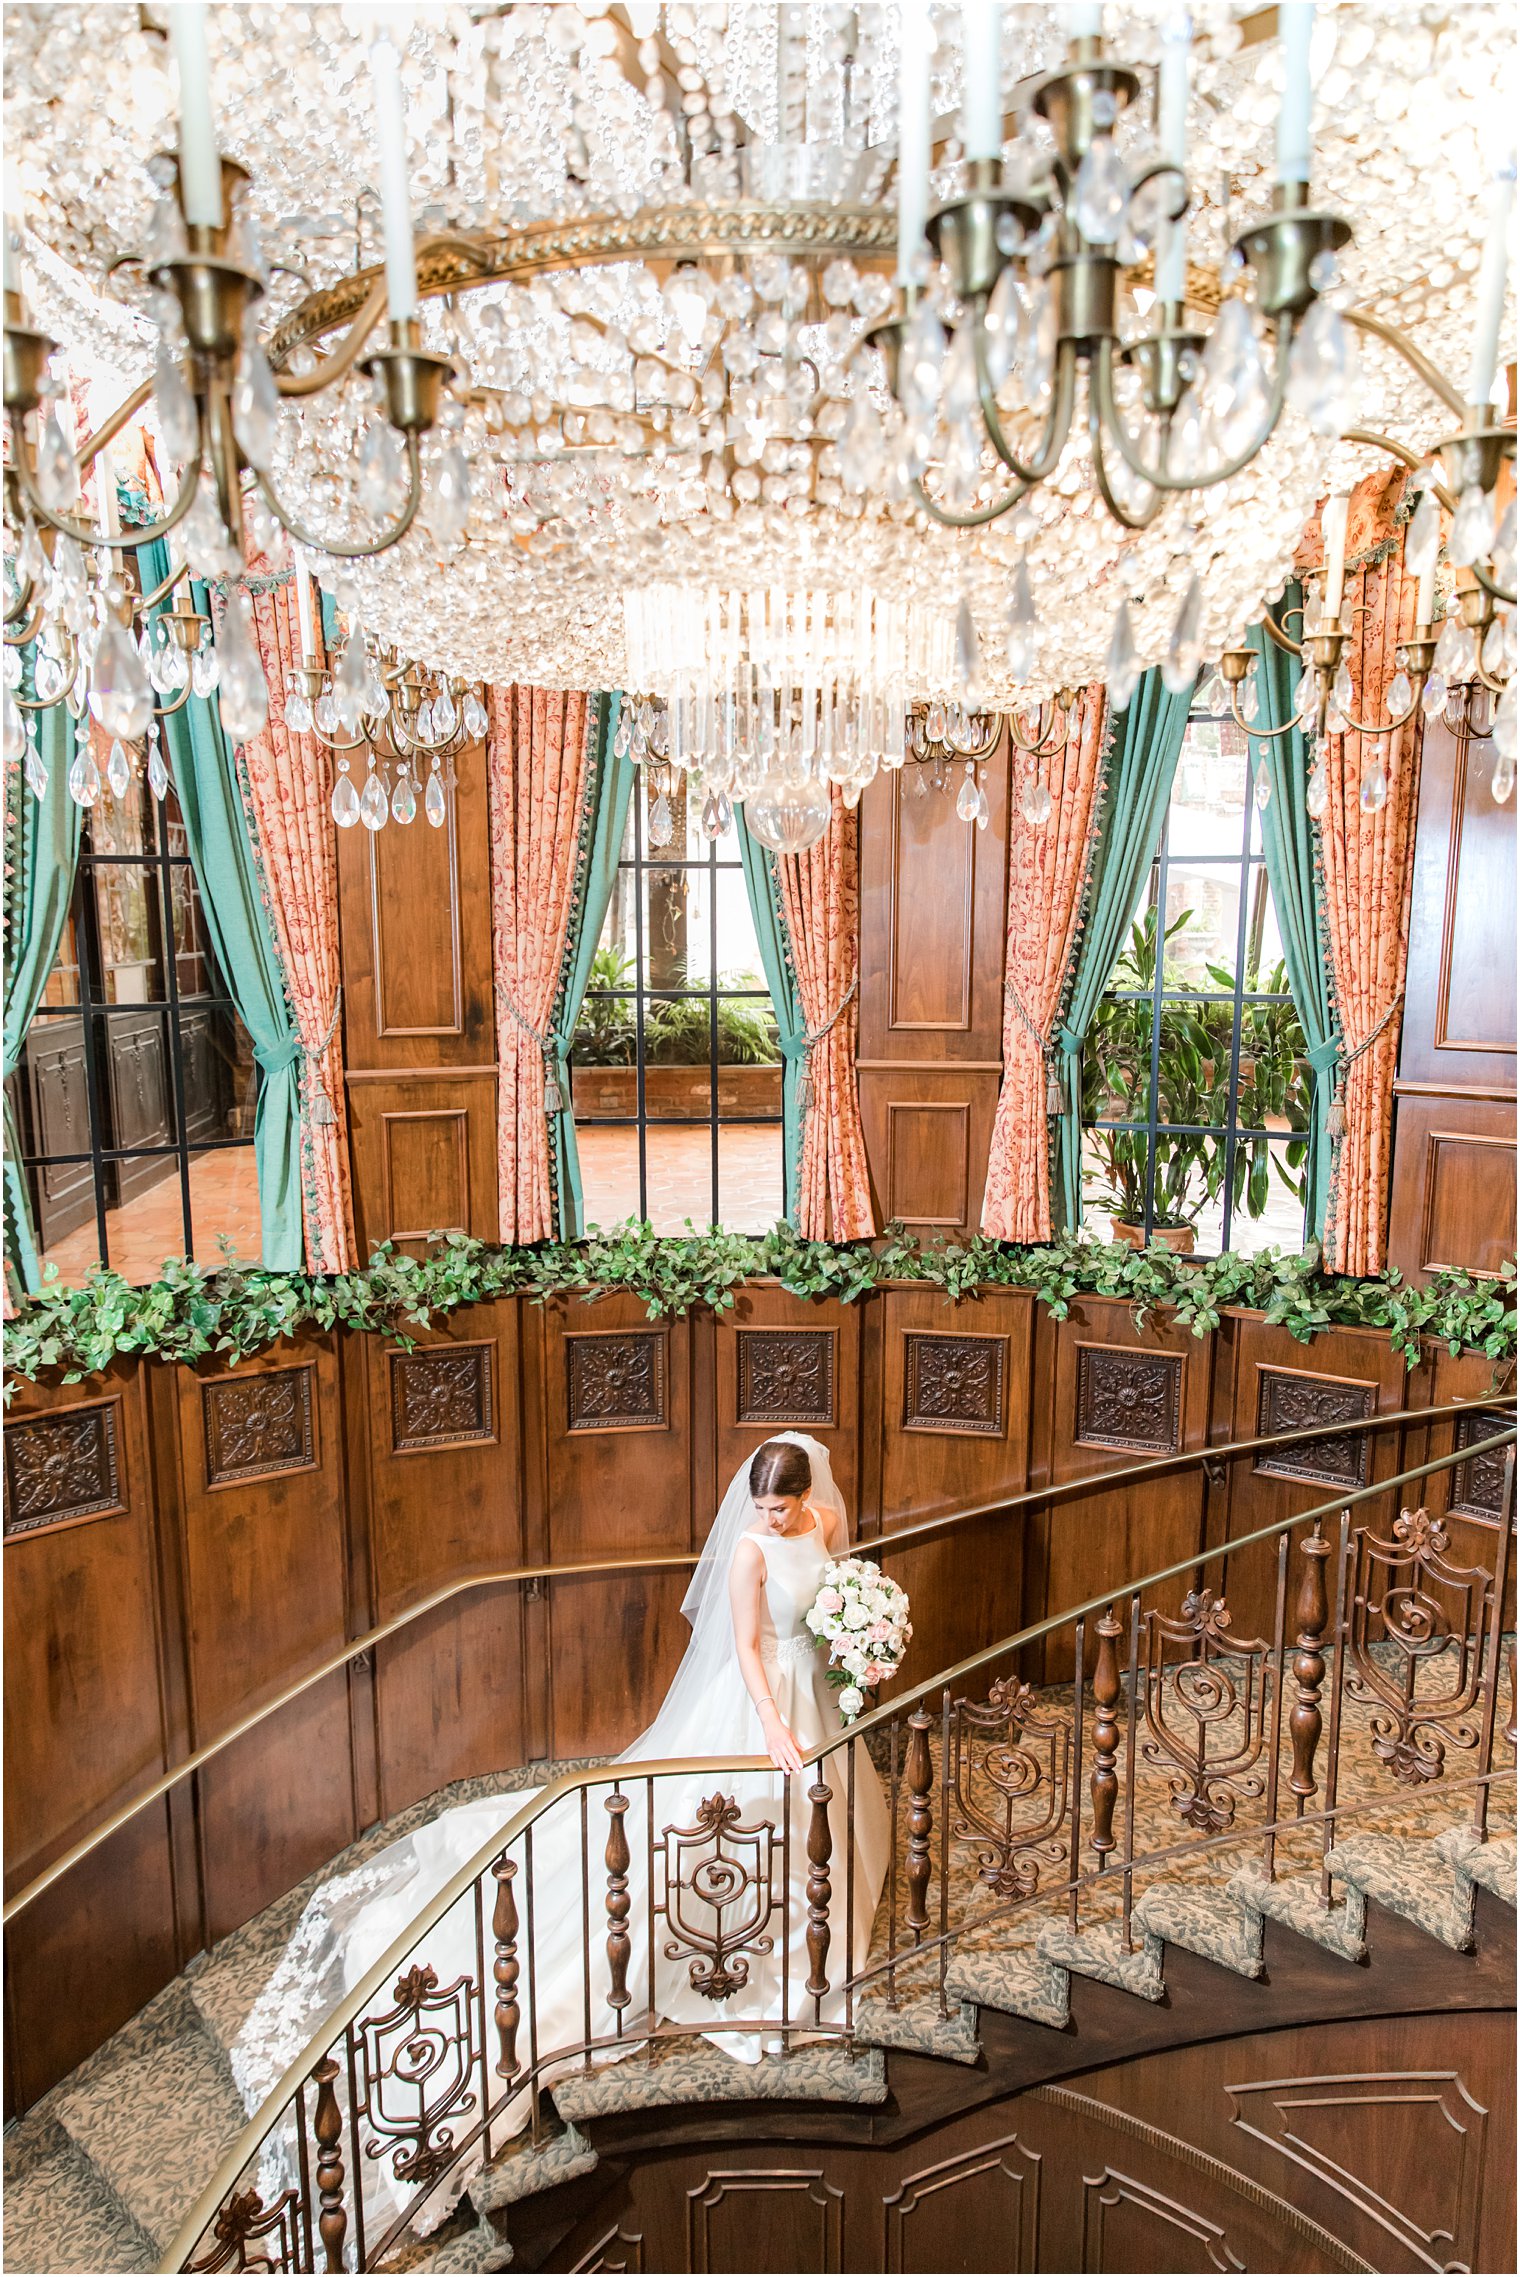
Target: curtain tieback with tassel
1344,1062
1047,1046
321,1112
555,1101
812,1037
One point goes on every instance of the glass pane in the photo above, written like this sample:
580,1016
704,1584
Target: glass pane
1202,924
677,921
613,964
609,1173
1116,1063
605,1037
680,1178
1193,1064
1264,970
1268,1195
220,1074
76,1253
1190,1169
749,1176
1275,1080
118,825
127,916
224,1205
145,1226
1114,1180
62,983
678,1058
747,1039
1208,795
196,971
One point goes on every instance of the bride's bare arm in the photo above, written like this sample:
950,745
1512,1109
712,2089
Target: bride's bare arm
836,1531
746,1579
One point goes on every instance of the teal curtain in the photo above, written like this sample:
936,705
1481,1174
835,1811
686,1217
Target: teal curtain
41,854
1144,743
1287,844
601,843
764,889
216,829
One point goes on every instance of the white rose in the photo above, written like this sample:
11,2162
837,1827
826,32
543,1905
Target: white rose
851,1701
855,1615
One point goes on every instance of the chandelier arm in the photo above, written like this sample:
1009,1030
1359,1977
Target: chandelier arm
30,628
162,592
979,517
331,368
46,703
1378,441
1103,386
344,552
1418,362
1057,426
977,749
167,711
121,541
1121,514
1495,688
1046,739
111,427
1491,586
1269,734
1284,640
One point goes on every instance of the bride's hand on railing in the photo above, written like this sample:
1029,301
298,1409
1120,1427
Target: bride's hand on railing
780,1745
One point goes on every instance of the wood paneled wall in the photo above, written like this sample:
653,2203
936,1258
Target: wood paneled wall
182,1543
1453,1200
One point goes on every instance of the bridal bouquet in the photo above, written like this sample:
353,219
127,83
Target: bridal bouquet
863,1619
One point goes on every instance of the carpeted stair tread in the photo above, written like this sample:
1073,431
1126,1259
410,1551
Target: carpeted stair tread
60,2214
1012,1978
465,2243
226,1982
1212,1924
154,2110
525,2168
1410,1878
696,2072
1100,1952
917,2024
1490,1864
1296,1902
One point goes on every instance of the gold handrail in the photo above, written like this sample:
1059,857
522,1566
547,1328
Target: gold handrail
573,1782
874,1545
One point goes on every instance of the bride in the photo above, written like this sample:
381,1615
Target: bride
751,1682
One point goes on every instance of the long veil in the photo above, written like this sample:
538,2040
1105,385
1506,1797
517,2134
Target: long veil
707,1710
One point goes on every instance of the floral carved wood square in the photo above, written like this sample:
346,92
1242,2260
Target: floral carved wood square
955,1383
616,1381
786,1375
1128,1399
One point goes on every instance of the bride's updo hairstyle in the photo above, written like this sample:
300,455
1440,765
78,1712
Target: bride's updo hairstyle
780,1467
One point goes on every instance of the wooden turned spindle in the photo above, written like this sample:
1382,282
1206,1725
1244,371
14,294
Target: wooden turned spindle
919,1774
820,1849
619,1903
505,1968
1107,1693
327,2126
1310,1613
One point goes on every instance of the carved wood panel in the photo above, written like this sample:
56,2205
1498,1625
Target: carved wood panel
1128,1399
1337,2127
616,1380
260,1424
616,2250
786,1376
62,1467
441,1396
1128,2225
1477,1485
991,2193
1291,1399
955,1383
754,2218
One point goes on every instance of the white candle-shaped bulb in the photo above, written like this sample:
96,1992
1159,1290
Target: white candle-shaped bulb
1491,280
395,188
982,85
912,136
1295,26
1171,239
1333,525
200,166
303,605
1425,600
13,227
1084,23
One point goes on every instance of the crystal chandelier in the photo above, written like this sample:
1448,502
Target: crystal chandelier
401,715
694,348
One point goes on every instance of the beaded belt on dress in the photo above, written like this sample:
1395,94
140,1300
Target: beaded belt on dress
790,1652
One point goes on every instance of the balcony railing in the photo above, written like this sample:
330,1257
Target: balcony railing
1029,1819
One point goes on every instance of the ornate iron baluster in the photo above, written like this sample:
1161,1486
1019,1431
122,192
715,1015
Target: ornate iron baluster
619,1906
1004,1745
505,1969
327,2126
820,1846
919,1772
1311,1612
1206,1790
244,2218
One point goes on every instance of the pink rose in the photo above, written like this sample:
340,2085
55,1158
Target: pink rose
829,1601
878,1630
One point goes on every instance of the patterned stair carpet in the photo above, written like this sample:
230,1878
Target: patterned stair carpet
101,2172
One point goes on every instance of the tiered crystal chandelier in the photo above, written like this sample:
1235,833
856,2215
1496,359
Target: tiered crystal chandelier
663,331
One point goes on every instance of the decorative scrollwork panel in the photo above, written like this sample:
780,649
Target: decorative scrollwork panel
1416,1641
417,2065
1206,1716
715,1887
1010,1770
248,2235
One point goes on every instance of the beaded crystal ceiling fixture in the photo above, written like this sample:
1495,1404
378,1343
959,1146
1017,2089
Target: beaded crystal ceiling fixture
795,367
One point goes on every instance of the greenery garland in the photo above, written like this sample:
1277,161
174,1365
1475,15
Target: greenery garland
239,1309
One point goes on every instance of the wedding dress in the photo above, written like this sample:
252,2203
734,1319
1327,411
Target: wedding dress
718,1948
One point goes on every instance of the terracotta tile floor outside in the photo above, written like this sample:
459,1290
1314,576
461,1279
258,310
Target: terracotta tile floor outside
680,1176
224,1199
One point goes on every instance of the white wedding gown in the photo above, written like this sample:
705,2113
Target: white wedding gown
350,1922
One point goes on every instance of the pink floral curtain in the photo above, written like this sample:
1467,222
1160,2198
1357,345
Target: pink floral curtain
820,899
287,789
1047,872
537,759
1367,860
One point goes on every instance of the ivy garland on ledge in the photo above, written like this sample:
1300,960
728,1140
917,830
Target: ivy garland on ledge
239,1309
